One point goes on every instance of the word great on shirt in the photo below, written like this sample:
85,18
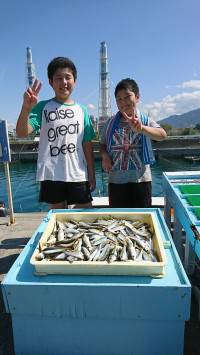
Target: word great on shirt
54,133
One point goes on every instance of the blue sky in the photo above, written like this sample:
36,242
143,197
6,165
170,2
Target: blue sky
156,42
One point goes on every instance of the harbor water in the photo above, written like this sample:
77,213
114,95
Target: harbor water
25,189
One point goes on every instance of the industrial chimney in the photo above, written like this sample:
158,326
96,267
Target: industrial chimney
30,68
104,90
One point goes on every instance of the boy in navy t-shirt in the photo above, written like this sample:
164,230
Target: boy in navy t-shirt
126,149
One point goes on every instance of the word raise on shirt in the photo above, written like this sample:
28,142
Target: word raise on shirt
54,133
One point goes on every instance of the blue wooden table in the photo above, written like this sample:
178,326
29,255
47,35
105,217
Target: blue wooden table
97,315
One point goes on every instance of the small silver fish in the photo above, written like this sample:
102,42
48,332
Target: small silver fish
61,235
131,249
104,252
75,254
84,225
94,253
113,255
61,256
123,254
86,242
40,256
86,253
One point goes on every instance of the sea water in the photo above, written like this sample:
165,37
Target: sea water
25,189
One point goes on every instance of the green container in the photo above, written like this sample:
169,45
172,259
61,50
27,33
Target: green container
190,189
197,212
194,200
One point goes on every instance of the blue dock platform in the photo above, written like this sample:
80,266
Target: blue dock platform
98,315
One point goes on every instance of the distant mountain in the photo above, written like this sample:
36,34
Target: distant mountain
188,119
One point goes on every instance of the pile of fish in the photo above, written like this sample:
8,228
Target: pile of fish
101,240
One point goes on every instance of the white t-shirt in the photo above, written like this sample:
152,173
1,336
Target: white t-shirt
63,129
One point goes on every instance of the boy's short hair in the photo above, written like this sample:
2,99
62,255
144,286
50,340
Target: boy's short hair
61,62
129,84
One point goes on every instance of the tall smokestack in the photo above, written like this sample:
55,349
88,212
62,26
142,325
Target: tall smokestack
104,92
30,68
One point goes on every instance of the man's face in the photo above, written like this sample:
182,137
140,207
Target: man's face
126,101
62,83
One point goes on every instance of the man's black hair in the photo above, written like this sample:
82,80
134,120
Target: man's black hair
61,62
129,84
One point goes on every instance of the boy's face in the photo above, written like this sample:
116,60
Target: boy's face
63,84
126,101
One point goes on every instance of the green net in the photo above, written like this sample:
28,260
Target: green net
197,212
190,189
194,200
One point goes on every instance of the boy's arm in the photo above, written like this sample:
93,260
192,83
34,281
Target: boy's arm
23,128
106,160
89,156
157,133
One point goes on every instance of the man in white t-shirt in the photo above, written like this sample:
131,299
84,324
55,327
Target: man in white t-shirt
65,166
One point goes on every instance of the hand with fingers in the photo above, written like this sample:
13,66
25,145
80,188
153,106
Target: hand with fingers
92,182
106,163
133,121
31,95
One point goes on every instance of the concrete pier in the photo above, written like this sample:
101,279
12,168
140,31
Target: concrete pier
174,146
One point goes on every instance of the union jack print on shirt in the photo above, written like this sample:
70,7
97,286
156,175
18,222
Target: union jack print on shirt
126,150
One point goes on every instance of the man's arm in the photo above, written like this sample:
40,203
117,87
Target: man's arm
89,156
23,128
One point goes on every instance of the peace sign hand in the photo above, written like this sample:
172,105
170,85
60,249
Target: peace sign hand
31,95
133,121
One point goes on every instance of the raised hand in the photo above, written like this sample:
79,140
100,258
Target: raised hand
31,95
133,121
